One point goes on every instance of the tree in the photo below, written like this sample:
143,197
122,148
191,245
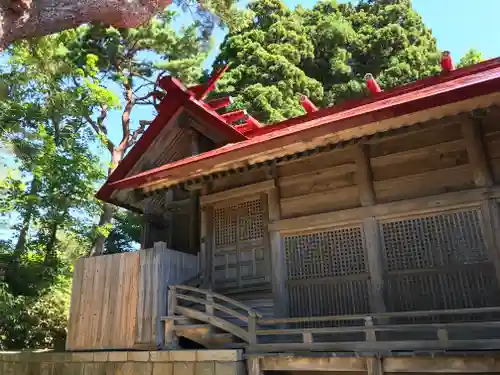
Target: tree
471,57
21,19
323,53
44,128
119,58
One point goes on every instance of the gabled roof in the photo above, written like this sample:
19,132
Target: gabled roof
349,120
178,98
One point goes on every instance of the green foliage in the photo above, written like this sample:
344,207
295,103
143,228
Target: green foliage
125,233
34,322
323,53
471,57
56,95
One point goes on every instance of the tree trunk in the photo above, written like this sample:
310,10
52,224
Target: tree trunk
107,209
50,251
23,234
21,19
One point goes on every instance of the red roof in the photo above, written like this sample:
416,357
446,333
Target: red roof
458,85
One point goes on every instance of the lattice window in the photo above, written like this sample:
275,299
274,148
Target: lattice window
434,241
327,273
338,252
242,221
225,221
438,262
250,220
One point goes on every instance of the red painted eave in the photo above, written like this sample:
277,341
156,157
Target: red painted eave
460,85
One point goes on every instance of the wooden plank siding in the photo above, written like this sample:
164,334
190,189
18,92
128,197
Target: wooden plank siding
117,300
102,313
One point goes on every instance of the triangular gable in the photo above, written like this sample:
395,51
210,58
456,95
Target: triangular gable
179,101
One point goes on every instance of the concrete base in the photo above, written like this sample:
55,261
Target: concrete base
182,362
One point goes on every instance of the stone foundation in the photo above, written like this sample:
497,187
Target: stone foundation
182,362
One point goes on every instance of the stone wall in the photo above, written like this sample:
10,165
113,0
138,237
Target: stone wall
182,362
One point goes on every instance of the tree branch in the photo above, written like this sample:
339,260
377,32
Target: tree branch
100,128
29,18
138,132
129,96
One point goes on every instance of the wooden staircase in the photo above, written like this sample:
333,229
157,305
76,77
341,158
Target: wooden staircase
212,320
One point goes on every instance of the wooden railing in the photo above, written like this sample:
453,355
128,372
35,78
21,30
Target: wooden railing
461,329
202,305
382,332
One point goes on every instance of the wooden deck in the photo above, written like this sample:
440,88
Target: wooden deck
374,334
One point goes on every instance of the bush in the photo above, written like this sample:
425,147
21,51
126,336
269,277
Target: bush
29,322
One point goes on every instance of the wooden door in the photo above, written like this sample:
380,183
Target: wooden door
240,258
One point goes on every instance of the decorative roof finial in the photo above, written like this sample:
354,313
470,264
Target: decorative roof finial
371,84
307,104
446,62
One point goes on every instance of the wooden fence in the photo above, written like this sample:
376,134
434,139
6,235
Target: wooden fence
117,300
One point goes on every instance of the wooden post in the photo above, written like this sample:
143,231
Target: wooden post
373,364
364,175
374,254
169,197
170,336
209,307
253,366
278,273
481,171
478,160
490,213
195,142
144,232
252,328
206,238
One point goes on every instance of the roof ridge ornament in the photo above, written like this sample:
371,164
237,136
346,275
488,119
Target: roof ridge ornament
372,84
307,104
447,62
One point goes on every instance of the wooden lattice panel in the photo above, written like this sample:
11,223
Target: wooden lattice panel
327,272
438,262
226,223
338,252
240,255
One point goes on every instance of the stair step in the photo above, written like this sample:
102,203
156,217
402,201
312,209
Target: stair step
180,320
194,329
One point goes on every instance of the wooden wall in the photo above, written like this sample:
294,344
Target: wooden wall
425,160
117,300
337,200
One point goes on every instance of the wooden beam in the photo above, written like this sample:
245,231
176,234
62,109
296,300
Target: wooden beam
478,160
251,189
364,175
443,364
330,172
423,205
304,363
374,254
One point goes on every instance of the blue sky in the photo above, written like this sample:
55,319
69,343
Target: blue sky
448,19
457,25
